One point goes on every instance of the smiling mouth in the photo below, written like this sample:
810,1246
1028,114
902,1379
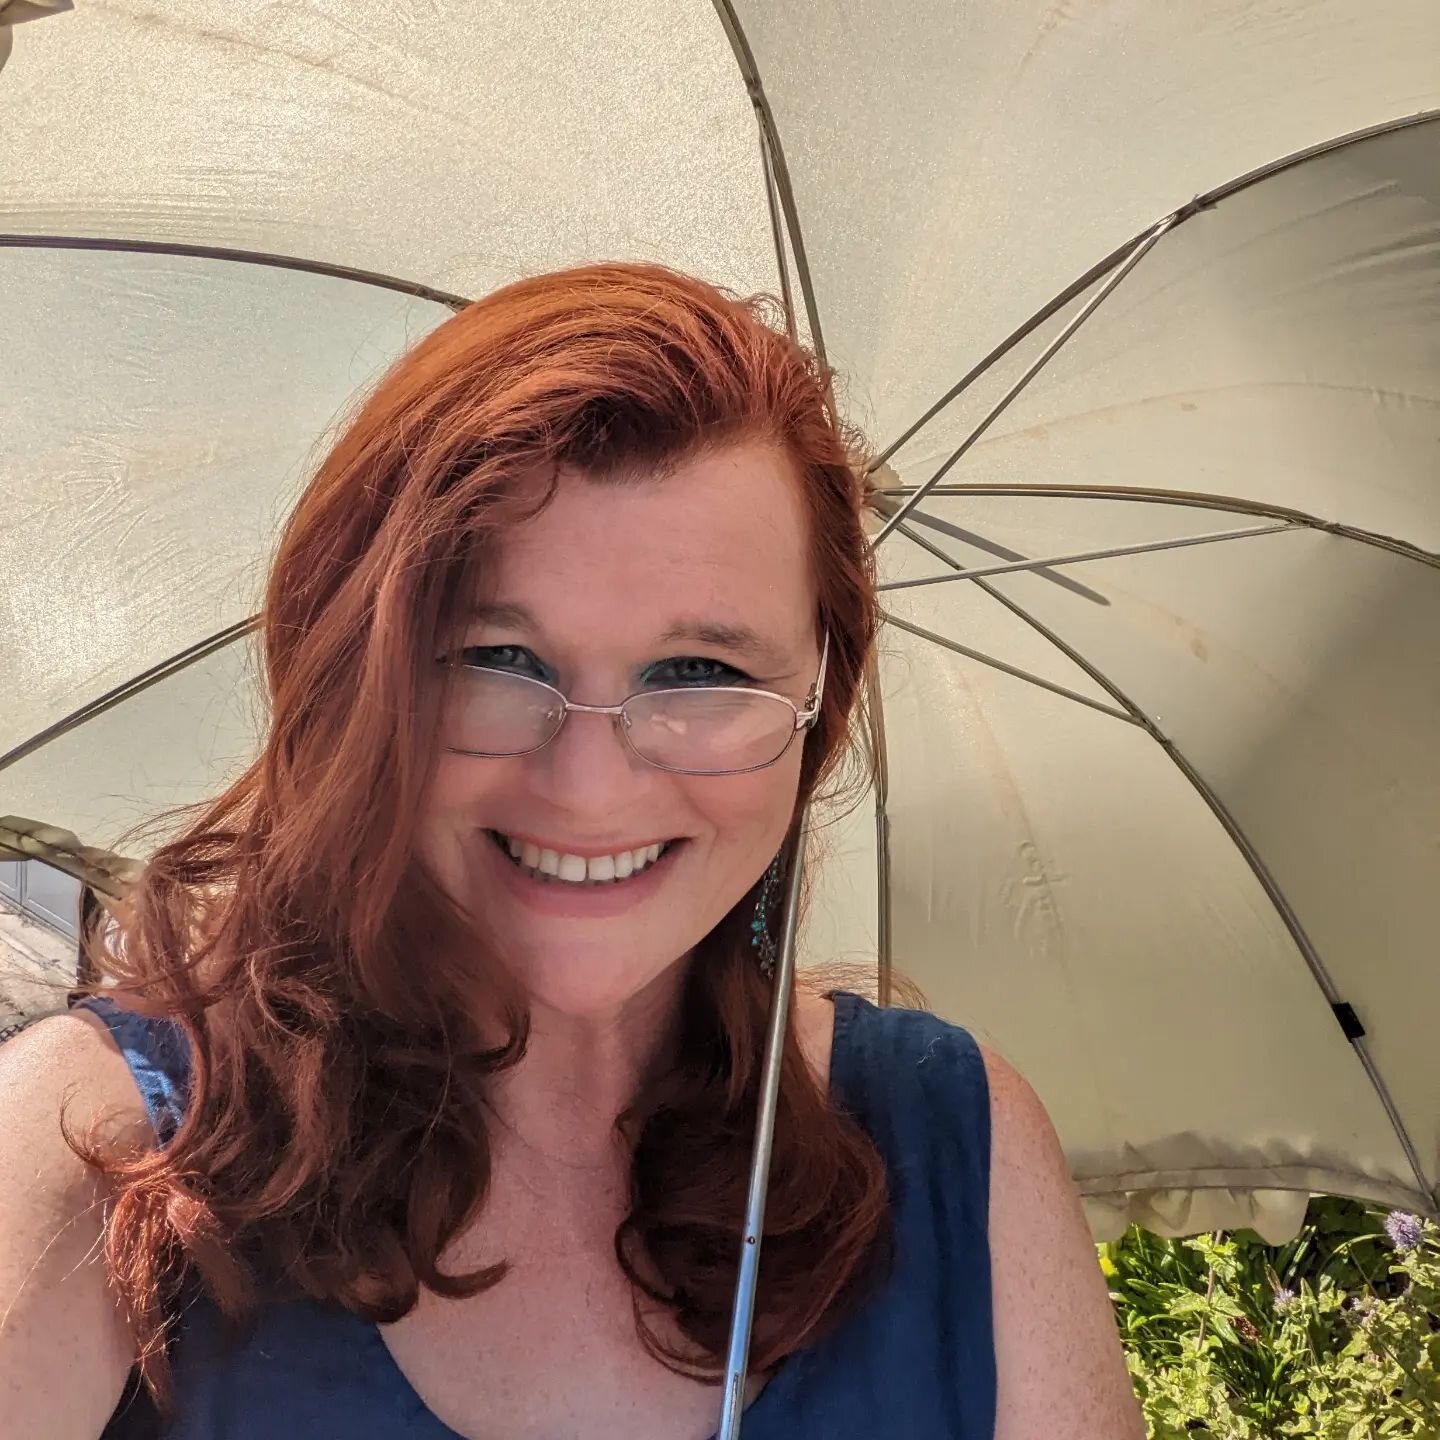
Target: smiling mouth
557,867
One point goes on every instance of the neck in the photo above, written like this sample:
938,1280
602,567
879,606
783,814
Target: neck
580,1073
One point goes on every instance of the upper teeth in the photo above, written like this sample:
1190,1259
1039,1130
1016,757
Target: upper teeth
578,868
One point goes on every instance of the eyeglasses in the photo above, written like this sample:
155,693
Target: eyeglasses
697,730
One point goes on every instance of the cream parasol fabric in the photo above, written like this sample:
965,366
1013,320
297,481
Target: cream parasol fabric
1162,824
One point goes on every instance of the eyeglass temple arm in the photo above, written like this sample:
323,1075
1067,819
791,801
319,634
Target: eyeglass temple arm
817,690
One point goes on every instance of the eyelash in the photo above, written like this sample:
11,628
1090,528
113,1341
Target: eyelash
722,673
488,658
727,673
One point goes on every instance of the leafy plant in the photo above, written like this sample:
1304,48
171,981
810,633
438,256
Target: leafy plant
1332,1336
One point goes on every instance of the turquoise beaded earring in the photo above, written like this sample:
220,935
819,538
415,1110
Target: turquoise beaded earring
760,937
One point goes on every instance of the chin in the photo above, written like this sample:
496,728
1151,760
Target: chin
593,981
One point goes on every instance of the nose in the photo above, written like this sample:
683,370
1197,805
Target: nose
588,771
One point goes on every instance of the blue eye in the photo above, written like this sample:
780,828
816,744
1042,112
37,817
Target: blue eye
694,670
510,659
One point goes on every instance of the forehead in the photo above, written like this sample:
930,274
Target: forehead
723,535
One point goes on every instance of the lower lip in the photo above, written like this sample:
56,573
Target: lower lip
565,900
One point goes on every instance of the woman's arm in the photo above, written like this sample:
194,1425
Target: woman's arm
1060,1368
65,1350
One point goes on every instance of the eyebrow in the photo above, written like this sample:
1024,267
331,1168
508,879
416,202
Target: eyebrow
496,612
738,638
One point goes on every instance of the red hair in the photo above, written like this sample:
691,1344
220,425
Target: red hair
335,1140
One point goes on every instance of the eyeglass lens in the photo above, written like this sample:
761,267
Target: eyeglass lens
712,730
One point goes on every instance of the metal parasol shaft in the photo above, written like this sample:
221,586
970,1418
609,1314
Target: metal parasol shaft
737,1356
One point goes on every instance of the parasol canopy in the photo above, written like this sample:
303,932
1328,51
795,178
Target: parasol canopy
1141,307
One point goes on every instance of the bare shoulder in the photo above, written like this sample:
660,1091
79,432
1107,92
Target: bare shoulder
1059,1363
79,1043
65,1063
61,1334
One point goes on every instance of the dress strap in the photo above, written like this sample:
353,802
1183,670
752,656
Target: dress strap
918,1086
158,1055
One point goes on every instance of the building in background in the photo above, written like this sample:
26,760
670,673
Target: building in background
40,892
40,912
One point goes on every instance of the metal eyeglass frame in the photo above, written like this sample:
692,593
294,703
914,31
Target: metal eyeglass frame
805,716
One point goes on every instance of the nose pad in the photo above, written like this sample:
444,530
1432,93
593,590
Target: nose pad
588,769
624,733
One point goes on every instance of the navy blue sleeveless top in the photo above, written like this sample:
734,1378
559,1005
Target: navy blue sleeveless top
917,1359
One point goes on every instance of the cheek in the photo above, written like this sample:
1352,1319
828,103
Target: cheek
461,784
750,813
456,793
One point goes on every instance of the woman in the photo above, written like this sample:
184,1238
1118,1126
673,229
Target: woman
448,1015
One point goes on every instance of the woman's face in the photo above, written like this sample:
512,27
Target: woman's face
617,588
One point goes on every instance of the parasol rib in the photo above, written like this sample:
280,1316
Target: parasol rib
1258,868
1141,250
954,645
241,257
1103,267
776,168
1194,499
1018,567
153,676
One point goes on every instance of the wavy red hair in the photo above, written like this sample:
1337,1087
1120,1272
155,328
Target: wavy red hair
335,1140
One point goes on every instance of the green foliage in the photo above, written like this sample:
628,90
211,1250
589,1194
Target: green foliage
1333,1336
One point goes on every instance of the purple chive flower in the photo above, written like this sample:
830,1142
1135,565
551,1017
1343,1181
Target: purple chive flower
1405,1230
1284,1299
